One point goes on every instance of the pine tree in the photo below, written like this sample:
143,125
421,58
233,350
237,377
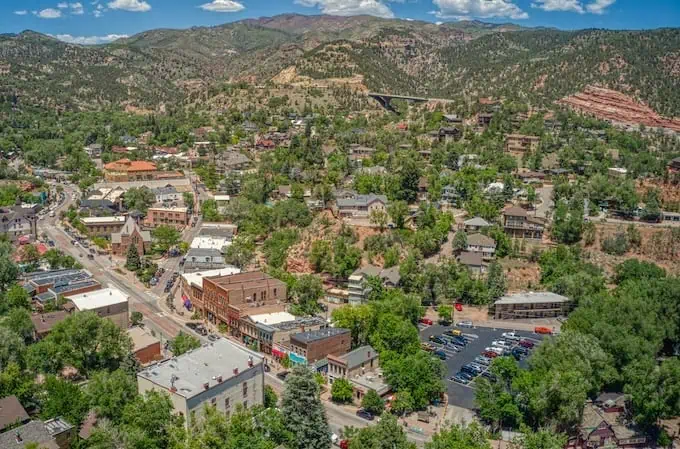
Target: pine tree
133,261
495,280
304,415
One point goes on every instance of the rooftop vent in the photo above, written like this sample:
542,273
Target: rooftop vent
219,379
235,371
250,361
206,385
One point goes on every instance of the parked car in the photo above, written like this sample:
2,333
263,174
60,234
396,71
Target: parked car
543,330
501,343
512,336
90,256
526,344
460,379
361,413
438,340
441,354
486,361
213,337
489,376
471,371
464,324
427,321
490,354
497,351
464,375
427,347
453,332
477,366
282,375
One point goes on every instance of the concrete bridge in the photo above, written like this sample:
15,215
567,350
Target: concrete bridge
385,100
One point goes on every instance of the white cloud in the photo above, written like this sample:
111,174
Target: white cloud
130,5
484,9
559,5
76,8
22,12
350,7
223,6
89,40
62,5
48,13
599,6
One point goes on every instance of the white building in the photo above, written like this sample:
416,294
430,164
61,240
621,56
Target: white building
210,242
108,303
220,374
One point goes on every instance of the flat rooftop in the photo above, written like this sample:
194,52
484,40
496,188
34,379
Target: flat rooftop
272,319
190,371
371,381
99,298
103,220
197,278
141,338
532,298
211,242
320,334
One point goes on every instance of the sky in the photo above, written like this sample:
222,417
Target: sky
100,21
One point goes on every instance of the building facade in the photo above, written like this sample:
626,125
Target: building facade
108,303
361,206
317,345
19,221
177,217
103,226
130,235
531,305
518,224
518,143
125,170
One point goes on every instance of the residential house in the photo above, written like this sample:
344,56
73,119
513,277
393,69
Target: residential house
220,374
11,413
108,303
423,186
475,224
177,217
357,153
361,367
231,161
318,344
103,226
54,433
227,298
450,134
130,234
518,224
450,195
616,173
480,243
453,119
361,206
531,305
519,143
94,150
358,288
125,170
484,120
167,194
674,166
43,324
20,223
473,262
145,347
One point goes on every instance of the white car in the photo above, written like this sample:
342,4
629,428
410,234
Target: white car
511,336
498,351
501,344
464,324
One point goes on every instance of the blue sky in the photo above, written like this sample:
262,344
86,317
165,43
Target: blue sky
95,21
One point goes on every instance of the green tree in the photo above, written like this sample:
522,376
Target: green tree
321,256
419,373
16,297
379,218
398,210
342,391
472,436
188,198
270,398
387,434
459,241
303,414
360,320
19,322
166,237
139,199
495,281
183,343
136,318
403,403
12,348
147,421
540,439
132,261
307,292
109,393
241,252
372,402
63,398
445,312
636,270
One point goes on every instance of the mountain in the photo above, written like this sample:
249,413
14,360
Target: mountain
461,60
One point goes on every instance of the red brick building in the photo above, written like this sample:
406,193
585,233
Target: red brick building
145,346
319,344
224,297
177,217
130,234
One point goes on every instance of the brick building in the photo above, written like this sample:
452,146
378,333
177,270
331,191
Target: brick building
130,234
225,299
171,216
317,345
103,226
145,347
124,170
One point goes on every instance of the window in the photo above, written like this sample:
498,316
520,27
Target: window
245,389
274,292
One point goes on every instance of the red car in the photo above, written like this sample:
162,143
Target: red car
459,307
543,330
526,344
490,354
344,444
427,321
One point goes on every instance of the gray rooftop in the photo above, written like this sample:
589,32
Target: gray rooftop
203,252
477,221
480,240
127,230
361,200
193,369
32,432
320,334
470,259
532,298
359,356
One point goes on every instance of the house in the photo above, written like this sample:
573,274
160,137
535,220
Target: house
145,347
125,170
484,119
480,243
11,413
358,290
268,328
94,150
103,226
357,153
473,262
226,297
449,134
616,173
361,368
531,305
130,234
51,434
177,217
603,424
44,322
167,194
361,206
20,222
518,224
674,166
450,195
108,303
220,374
231,161
423,186
98,208
518,143
46,286
318,344
475,224
453,119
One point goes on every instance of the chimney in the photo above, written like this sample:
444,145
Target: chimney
206,386
18,437
250,361
219,379
235,371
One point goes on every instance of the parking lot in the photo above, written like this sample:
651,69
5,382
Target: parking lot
478,338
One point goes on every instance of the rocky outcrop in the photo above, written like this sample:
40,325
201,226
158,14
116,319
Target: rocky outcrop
616,107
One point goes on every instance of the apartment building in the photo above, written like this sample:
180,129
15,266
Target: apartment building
20,221
531,305
318,344
125,170
103,226
177,217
